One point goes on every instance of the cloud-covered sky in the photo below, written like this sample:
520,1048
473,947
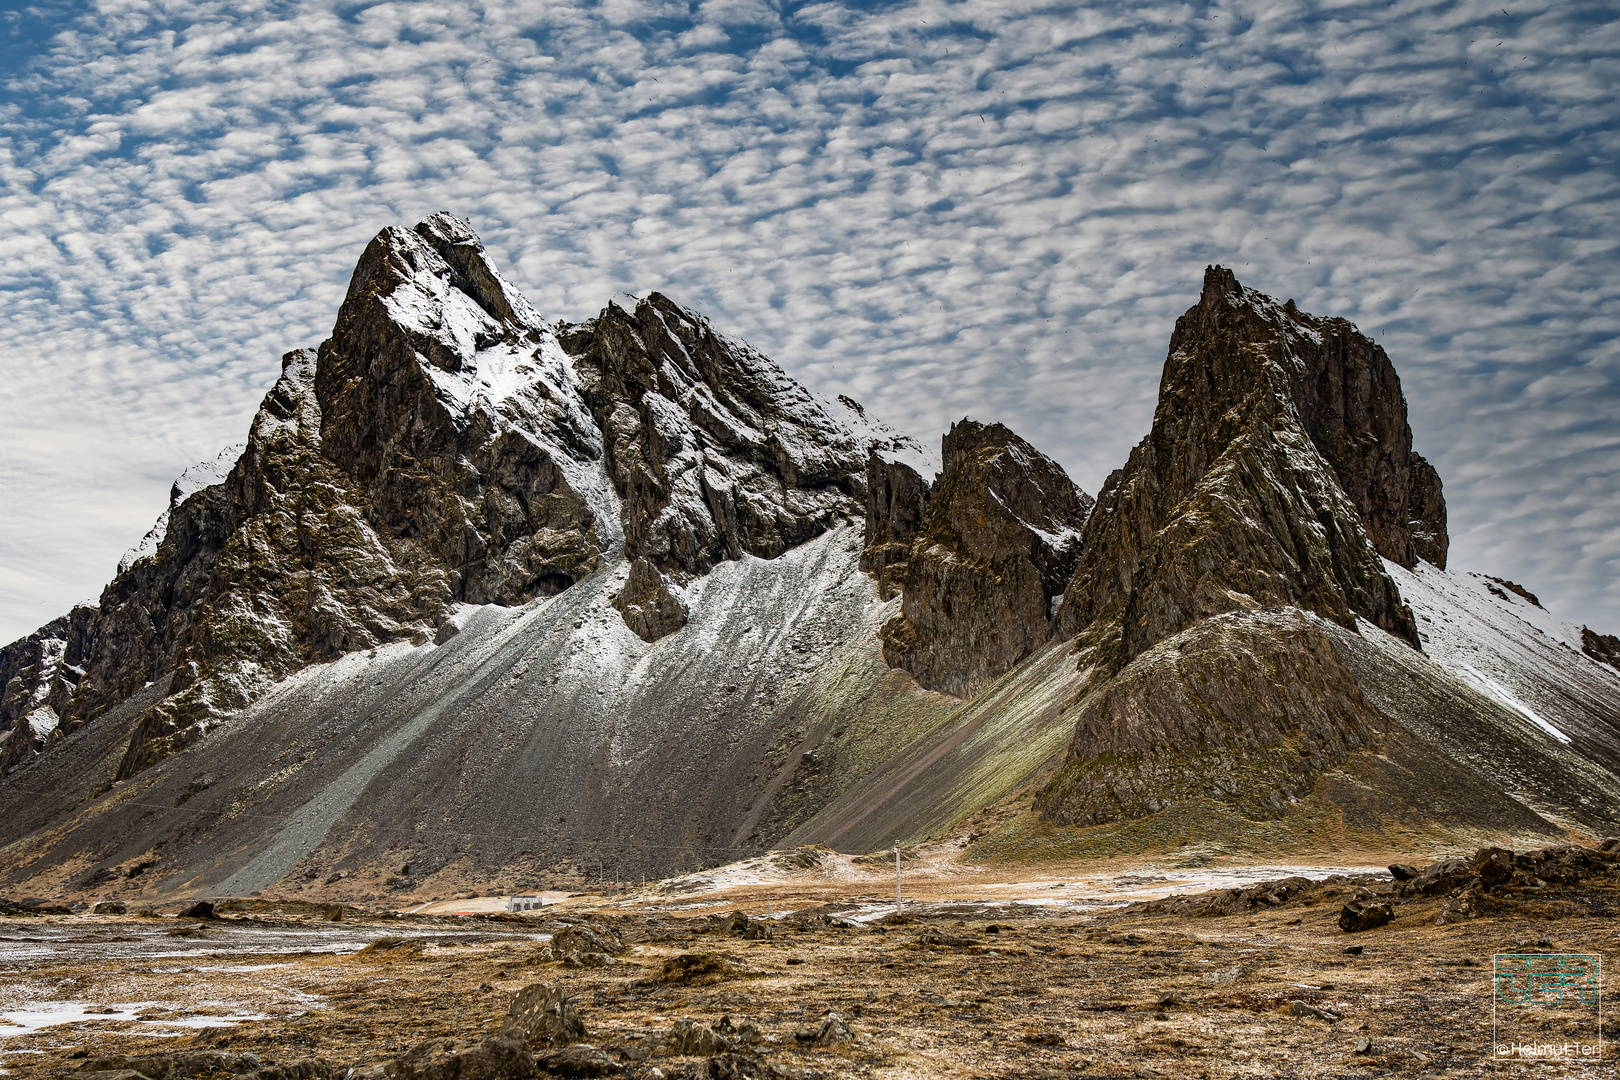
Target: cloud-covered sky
993,208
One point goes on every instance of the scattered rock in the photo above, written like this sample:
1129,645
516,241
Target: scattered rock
1045,1038
1223,976
172,1066
202,909
1403,872
1301,1008
1460,908
581,1059
834,1031
691,1037
1440,878
1354,950
498,1057
697,969
1364,1045
1493,866
307,1069
738,924
585,938
744,1032
390,948
587,960
542,1015
109,907
743,1067
1360,915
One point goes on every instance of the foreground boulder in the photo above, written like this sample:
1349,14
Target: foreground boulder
582,1059
1360,915
542,1015
586,939
498,1057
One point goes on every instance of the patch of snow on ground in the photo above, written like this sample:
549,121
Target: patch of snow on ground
1494,689
1512,651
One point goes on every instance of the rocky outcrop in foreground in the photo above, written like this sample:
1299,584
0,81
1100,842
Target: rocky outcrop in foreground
1000,536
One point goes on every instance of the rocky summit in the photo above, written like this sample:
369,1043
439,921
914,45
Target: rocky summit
997,543
494,602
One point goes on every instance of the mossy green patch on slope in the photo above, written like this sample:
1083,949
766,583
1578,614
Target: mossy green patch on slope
984,750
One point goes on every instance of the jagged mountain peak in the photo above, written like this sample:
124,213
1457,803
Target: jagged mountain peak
1278,456
713,448
981,554
1348,397
442,448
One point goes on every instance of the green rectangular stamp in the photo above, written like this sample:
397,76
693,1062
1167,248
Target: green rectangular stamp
1547,1006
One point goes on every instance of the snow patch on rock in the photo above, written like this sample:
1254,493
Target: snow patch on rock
204,474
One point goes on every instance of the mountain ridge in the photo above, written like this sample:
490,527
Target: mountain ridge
622,591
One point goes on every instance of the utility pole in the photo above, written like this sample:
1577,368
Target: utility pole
897,879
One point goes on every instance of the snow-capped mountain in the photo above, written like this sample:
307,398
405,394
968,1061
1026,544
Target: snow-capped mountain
506,601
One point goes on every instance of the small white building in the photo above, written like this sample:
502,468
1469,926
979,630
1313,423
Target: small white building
524,903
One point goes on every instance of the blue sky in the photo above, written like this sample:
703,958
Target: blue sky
941,209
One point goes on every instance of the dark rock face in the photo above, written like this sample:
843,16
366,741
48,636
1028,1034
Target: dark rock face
1604,648
543,1015
1001,534
896,504
444,397
1350,399
1278,470
496,1057
32,675
712,449
649,609
421,457
1245,709
277,567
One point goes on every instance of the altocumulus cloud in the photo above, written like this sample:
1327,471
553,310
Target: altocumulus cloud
995,208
